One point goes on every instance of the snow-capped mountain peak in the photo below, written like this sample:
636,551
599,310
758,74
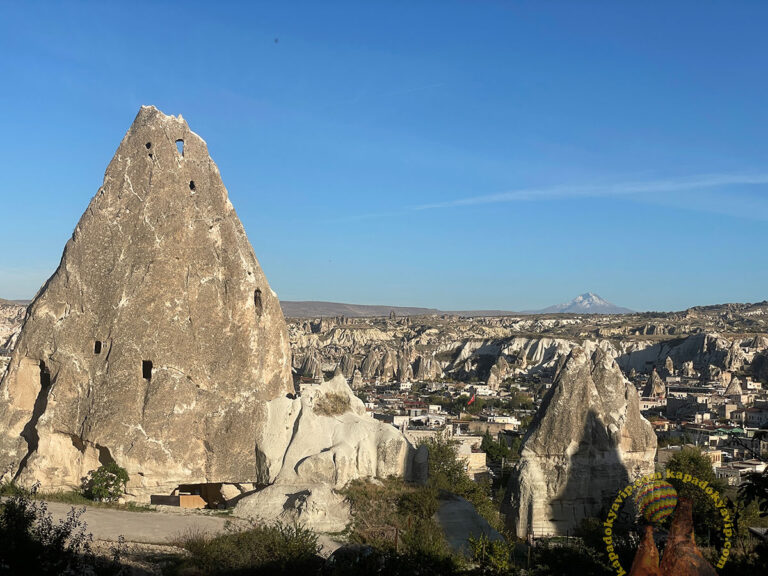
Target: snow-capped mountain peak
587,303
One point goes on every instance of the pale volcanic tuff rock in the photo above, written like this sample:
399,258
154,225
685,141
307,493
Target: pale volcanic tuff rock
158,344
734,388
654,387
157,340
587,442
11,318
312,444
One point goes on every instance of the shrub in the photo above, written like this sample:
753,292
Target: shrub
279,548
32,543
106,483
492,556
393,516
332,404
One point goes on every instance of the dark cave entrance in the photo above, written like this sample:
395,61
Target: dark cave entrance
258,303
146,369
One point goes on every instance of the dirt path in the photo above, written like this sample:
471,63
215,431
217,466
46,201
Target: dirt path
459,520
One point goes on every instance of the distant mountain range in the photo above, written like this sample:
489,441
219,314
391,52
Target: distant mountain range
312,309
14,302
588,303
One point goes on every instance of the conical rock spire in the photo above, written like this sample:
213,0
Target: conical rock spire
157,340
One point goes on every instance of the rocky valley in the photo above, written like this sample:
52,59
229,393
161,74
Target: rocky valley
158,344
702,341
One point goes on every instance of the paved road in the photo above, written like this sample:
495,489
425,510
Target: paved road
459,520
146,527
156,527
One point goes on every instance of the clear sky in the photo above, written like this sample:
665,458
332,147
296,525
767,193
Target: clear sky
446,154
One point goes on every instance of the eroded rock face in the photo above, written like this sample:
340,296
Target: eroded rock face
654,387
315,443
157,341
587,442
11,318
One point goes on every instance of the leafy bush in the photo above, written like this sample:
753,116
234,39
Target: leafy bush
106,483
32,543
569,560
332,404
279,548
492,556
446,469
395,517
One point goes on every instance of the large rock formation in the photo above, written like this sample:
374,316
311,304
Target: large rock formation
157,340
159,344
586,443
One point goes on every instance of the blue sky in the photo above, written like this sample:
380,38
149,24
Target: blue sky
447,154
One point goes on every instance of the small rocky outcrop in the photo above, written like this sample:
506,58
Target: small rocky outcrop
654,387
11,318
682,557
646,562
688,370
499,371
585,444
669,366
357,380
734,388
313,444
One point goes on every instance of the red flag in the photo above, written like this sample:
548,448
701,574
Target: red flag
471,399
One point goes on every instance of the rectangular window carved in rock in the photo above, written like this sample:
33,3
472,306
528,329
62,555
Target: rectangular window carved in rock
146,369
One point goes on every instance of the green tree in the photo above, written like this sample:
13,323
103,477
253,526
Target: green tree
706,520
494,450
446,469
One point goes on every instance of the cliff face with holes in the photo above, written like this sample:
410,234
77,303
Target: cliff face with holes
157,341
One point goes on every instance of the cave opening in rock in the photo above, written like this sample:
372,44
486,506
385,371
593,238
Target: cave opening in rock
192,185
146,369
97,347
180,146
257,301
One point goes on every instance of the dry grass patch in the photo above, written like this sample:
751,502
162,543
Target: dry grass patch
332,404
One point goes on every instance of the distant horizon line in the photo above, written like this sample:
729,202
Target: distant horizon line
432,309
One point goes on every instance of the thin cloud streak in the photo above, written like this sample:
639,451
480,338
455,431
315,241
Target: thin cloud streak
605,190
